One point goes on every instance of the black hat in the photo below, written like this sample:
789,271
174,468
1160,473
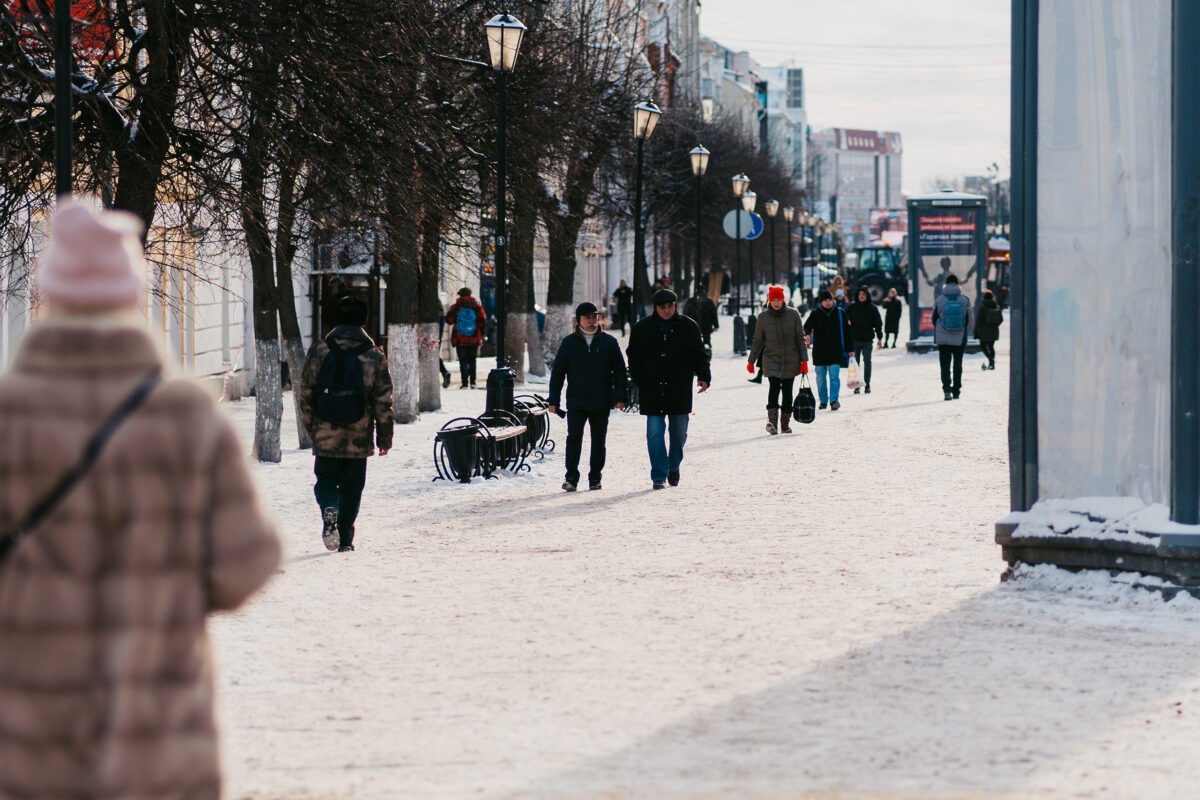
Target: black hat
664,296
585,310
350,311
824,295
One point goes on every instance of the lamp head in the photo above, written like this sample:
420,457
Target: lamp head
771,207
740,184
645,117
699,155
749,200
504,35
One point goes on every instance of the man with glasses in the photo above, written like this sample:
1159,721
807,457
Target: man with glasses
665,353
590,362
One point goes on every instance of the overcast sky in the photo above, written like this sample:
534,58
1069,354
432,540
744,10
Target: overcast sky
933,70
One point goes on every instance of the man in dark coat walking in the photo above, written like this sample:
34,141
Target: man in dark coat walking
865,320
624,298
665,353
831,345
704,312
590,361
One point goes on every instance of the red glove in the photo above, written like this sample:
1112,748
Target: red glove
750,367
803,367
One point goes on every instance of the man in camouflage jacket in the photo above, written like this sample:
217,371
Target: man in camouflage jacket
341,451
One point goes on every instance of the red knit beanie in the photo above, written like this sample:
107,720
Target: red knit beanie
775,293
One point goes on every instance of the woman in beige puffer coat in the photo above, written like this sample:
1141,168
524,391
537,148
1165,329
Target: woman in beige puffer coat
106,685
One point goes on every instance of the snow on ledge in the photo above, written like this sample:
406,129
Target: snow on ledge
1116,518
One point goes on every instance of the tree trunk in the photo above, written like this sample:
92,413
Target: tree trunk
560,322
429,312
402,289
520,274
536,348
289,322
430,378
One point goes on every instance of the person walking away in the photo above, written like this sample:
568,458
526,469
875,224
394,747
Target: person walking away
590,362
469,321
703,312
952,320
779,342
987,329
665,353
106,677
624,298
442,364
829,340
346,405
892,307
867,326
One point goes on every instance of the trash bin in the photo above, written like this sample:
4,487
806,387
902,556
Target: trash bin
500,383
460,447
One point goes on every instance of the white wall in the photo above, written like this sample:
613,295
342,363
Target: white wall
1104,248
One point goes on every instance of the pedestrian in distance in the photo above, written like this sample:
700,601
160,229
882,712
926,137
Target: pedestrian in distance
590,362
703,312
987,329
867,327
840,299
665,354
952,321
830,341
892,308
346,405
469,321
442,364
624,300
153,524
779,342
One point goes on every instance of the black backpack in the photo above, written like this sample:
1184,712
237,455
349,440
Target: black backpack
341,392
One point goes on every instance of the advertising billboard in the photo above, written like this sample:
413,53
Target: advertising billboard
945,236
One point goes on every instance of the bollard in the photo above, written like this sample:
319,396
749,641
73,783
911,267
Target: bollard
739,335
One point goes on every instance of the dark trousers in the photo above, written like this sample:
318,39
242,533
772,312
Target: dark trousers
339,485
442,368
598,422
466,363
780,386
862,355
948,353
890,335
989,350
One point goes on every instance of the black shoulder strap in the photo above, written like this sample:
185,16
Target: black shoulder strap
10,538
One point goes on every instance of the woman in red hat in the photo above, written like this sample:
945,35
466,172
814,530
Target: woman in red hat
779,339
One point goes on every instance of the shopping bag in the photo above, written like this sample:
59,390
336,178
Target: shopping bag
804,408
852,376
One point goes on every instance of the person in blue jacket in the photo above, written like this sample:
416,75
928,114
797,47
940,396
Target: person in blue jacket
590,362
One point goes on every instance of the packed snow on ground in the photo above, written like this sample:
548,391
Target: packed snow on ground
813,615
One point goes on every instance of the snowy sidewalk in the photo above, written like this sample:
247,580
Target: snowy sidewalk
814,615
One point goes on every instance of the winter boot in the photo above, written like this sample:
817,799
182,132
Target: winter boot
772,421
329,531
786,422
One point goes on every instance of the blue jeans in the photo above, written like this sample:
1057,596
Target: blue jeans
662,461
830,394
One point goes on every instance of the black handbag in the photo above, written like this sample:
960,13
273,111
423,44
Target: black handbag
804,408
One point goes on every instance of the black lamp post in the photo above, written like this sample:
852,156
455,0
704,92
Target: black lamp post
772,208
504,34
645,117
740,184
62,98
788,214
699,155
749,202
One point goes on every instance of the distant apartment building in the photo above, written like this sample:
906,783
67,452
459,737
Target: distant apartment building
787,119
730,87
852,173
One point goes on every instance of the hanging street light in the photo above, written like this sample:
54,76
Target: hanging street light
699,156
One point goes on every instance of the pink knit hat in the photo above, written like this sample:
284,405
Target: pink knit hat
94,259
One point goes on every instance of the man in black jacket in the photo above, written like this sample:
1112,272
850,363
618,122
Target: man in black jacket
831,344
590,361
665,353
624,299
864,321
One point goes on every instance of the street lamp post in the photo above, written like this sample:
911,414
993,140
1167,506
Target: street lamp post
772,208
740,184
504,34
699,155
645,117
749,202
788,213
62,98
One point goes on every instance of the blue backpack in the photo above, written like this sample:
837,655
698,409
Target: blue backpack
465,321
953,317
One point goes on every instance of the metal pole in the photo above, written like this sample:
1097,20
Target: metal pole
696,271
639,237
772,250
789,257
1185,279
62,98
501,236
737,263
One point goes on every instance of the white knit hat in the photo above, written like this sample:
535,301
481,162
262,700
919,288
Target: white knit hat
94,259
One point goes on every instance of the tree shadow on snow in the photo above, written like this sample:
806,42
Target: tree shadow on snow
983,699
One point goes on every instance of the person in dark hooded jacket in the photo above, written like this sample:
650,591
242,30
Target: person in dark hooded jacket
893,307
831,345
867,325
665,354
590,362
987,329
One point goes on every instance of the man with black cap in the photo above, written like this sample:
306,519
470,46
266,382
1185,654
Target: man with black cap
590,361
346,405
665,353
